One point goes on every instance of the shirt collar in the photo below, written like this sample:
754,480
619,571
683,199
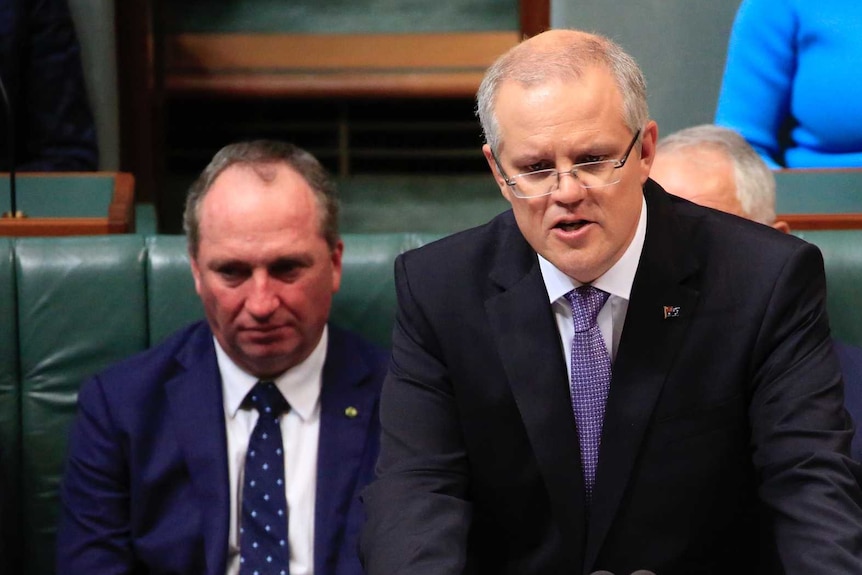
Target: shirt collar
617,281
300,385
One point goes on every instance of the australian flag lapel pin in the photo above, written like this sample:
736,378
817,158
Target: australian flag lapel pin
671,311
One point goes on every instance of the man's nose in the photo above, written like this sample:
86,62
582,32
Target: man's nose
569,188
262,300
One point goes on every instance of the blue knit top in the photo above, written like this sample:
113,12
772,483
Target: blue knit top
793,81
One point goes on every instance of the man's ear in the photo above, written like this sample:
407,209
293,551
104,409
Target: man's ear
782,226
649,138
495,170
196,272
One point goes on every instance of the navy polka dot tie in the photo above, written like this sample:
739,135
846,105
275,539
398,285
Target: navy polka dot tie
591,377
263,527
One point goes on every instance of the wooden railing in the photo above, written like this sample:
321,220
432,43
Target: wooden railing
114,214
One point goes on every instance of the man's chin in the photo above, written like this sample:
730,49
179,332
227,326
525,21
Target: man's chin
267,360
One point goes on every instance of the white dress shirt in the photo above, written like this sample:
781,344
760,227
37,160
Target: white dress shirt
300,430
617,281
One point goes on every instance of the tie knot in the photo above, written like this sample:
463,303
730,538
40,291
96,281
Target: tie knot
586,303
266,398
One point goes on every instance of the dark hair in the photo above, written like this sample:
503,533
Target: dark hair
258,154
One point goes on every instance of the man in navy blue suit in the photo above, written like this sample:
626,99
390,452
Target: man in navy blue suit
154,477
716,167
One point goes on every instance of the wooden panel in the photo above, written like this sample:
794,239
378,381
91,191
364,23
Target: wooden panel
262,52
320,85
118,218
822,221
140,78
121,212
535,16
320,65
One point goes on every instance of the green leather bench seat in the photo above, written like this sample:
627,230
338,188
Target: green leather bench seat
10,423
81,306
71,306
842,255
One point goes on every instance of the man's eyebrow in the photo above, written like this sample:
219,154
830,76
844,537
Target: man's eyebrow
227,262
293,259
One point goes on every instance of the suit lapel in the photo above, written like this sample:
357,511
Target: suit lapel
197,410
646,354
529,346
348,411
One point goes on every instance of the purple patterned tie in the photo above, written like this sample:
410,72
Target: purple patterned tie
263,545
591,376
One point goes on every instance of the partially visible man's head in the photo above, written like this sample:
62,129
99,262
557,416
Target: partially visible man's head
562,56
559,99
715,167
265,252
261,153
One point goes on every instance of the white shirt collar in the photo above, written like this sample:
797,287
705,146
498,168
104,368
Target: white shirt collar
300,385
617,281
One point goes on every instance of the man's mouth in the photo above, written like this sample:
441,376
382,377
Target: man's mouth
572,226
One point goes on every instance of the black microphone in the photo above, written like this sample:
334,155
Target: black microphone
10,135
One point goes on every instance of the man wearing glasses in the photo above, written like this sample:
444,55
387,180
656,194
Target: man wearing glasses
607,377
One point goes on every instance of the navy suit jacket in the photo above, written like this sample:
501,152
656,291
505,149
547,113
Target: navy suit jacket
851,369
145,489
725,445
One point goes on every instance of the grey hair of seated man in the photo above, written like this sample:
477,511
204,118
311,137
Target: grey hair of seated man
753,180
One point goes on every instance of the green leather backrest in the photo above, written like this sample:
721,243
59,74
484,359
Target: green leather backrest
8,350
842,255
9,394
82,306
366,300
173,302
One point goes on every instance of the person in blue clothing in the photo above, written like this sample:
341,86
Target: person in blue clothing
791,85
40,67
715,167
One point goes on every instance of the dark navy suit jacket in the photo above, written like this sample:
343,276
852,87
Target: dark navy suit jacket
146,484
725,446
850,358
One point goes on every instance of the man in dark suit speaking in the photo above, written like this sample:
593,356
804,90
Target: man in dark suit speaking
607,377
239,445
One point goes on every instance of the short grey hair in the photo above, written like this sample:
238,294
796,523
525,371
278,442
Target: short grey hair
257,155
567,59
755,182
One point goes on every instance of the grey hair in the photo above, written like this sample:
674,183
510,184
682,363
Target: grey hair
755,182
530,64
257,155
